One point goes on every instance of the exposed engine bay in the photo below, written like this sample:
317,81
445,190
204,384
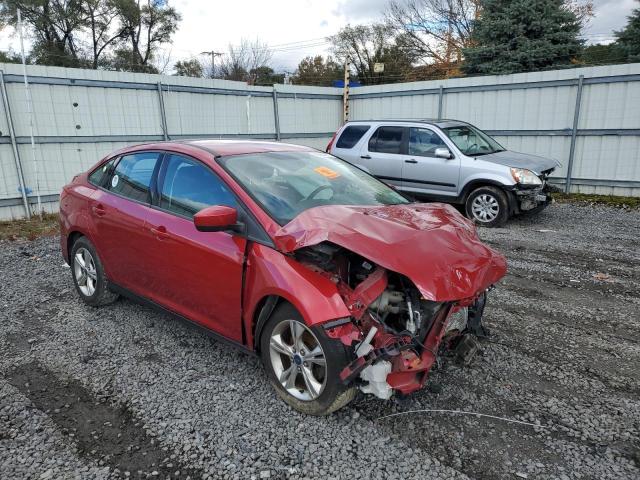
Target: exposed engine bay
394,333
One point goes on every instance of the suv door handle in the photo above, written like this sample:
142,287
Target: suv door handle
411,161
366,157
160,232
98,210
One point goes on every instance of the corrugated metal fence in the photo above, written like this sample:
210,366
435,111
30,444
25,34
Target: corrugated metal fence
588,118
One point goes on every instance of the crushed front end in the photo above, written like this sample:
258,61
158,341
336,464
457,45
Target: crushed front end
413,277
394,333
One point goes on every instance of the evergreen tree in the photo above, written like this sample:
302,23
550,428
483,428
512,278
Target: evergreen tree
629,38
514,36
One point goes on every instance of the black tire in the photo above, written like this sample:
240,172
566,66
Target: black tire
497,197
334,395
101,294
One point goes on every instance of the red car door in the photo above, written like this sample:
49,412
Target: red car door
196,274
118,216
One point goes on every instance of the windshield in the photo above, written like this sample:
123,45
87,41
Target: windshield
472,141
287,183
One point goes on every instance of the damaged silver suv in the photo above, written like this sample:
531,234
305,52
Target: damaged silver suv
449,161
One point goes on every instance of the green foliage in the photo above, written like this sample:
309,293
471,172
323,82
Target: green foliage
603,54
514,36
318,71
9,57
265,75
188,68
114,34
629,38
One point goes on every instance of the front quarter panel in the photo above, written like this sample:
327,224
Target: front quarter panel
269,272
475,169
74,205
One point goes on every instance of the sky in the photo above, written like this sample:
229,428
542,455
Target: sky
297,28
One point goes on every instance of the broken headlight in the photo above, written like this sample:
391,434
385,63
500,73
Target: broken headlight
525,177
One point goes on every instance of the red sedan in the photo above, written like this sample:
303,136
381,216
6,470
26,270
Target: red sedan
336,280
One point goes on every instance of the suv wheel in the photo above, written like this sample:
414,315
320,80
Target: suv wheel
88,274
487,206
303,364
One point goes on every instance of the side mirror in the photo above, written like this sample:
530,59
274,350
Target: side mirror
443,153
216,219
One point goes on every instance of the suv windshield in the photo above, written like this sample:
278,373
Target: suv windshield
288,183
472,141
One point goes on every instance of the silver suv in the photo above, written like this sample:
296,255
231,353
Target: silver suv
450,161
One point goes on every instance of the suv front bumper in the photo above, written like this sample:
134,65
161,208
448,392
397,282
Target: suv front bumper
530,200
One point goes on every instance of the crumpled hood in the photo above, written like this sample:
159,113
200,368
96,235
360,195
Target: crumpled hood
520,160
431,244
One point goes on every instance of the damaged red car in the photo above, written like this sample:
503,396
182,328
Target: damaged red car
339,282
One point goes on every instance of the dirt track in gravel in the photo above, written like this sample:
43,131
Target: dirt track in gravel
564,354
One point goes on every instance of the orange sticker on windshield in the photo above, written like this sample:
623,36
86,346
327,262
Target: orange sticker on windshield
327,172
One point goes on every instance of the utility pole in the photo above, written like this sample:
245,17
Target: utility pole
213,54
345,92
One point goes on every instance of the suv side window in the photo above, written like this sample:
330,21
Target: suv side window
351,135
387,140
423,142
132,176
189,186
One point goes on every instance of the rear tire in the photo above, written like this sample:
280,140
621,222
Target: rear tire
88,274
487,206
294,367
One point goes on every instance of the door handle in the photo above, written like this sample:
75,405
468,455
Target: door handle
98,210
160,232
366,157
411,161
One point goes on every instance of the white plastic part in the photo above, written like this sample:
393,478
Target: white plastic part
365,346
376,375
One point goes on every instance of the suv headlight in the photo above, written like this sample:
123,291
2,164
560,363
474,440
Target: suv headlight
525,177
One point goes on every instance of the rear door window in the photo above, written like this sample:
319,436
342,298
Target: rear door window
387,140
100,175
132,176
351,135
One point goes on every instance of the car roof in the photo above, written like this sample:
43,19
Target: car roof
241,147
442,123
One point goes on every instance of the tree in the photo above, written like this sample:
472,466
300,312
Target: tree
9,57
146,25
603,54
265,76
433,31
514,36
104,28
318,71
56,26
189,68
629,38
366,45
242,62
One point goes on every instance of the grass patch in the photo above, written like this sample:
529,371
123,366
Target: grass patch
29,229
611,200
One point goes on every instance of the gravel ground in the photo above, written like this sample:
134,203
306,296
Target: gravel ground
126,392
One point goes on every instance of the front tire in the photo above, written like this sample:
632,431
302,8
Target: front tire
487,206
303,364
88,274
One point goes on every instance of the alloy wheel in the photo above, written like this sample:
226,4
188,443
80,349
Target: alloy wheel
298,360
485,208
84,269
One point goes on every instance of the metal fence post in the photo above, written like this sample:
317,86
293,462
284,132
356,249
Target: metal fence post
574,133
14,145
276,114
440,98
163,115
